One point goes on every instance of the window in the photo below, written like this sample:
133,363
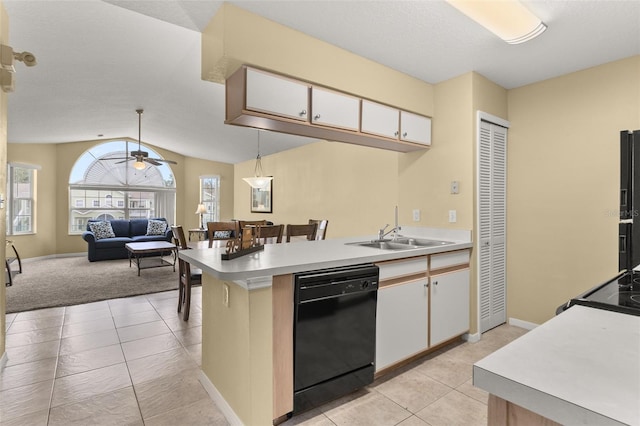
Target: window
210,197
115,190
21,181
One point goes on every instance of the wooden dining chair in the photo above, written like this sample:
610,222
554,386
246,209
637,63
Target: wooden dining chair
270,233
187,275
221,231
321,232
243,223
308,231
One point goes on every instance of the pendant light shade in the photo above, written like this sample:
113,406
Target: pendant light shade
139,165
258,181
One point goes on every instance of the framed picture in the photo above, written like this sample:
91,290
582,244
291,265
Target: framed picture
261,199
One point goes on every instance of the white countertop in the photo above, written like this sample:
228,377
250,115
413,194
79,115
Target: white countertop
287,258
580,367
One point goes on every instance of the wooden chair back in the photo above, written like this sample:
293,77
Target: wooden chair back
308,231
187,275
243,223
321,232
178,237
270,233
221,231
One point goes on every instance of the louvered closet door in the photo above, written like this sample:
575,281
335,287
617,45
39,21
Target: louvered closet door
492,169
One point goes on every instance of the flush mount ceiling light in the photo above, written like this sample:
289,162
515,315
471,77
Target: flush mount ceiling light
508,19
258,181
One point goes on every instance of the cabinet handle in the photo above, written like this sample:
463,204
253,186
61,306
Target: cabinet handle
426,284
316,117
303,113
396,133
404,135
435,283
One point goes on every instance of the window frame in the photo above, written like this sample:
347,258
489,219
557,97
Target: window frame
209,199
13,200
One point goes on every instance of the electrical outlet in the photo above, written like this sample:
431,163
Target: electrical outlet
416,215
455,187
453,217
225,295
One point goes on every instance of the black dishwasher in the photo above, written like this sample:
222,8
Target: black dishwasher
334,333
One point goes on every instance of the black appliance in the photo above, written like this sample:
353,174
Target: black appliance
629,235
334,333
621,294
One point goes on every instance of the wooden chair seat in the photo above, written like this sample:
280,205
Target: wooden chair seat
187,276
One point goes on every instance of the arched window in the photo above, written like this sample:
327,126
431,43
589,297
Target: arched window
104,186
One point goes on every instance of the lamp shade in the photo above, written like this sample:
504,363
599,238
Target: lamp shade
202,209
139,165
258,182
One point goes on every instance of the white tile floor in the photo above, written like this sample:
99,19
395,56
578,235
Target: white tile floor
133,361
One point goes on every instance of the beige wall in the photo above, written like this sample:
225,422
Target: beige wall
563,180
4,37
354,187
52,218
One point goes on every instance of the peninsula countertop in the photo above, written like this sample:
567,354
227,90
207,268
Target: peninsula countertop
287,258
580,367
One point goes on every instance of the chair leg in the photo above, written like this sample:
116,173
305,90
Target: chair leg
180,295
187,300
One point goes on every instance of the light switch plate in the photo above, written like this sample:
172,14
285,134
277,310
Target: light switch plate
455,187
453,216
416,215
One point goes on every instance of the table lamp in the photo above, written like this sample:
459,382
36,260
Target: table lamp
201,210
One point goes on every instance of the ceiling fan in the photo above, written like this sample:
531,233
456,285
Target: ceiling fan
140,156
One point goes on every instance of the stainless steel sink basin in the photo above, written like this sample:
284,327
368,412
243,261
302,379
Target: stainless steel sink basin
385,245
402,243
422,242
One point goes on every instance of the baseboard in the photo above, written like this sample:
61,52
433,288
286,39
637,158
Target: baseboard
52,256
471,338
522,324
219,400
3,361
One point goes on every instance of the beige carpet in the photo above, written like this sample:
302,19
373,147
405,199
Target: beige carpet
74,280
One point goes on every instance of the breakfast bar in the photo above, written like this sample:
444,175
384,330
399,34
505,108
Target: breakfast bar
247,326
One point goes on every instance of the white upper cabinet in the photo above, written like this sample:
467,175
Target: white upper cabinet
380,120
415,128
276,95
330,108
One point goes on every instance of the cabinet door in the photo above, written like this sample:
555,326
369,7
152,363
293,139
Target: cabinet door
401,322
380,120
329,108
415,128
449,305
276,95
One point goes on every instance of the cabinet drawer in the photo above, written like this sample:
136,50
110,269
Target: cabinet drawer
446,260
402,268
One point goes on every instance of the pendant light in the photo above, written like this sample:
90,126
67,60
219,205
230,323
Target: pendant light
259,181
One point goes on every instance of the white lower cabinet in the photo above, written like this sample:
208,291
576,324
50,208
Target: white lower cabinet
449,305
401,321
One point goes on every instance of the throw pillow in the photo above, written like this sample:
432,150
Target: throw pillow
102,230
222,234
156,227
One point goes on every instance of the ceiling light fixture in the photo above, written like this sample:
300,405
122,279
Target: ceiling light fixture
508,19
258,181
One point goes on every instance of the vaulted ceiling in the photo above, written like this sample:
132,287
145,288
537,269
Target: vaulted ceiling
100,60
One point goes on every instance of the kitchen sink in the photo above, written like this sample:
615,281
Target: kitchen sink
402,243
385,245
422,242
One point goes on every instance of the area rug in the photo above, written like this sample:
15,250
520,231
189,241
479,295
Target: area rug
74,280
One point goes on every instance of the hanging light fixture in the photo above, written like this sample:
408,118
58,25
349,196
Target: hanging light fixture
508,19
258,181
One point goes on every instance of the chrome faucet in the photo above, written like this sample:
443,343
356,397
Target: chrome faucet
395,229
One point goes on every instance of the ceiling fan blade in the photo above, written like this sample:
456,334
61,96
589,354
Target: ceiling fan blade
113,158
124,161
166,161
152,161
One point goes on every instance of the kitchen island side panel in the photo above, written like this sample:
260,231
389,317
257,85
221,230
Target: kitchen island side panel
237,347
